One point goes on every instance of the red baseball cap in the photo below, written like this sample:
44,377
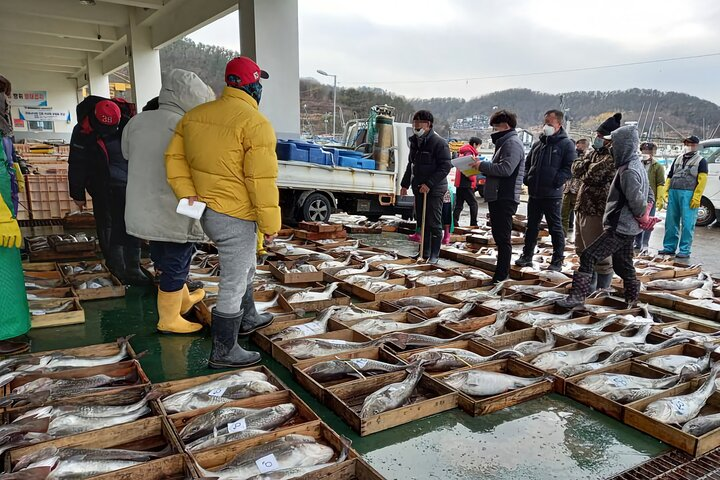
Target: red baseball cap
245,70
107,112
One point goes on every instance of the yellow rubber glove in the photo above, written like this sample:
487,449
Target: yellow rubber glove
660,198
697,194
666,190
261,244
10,236
20,177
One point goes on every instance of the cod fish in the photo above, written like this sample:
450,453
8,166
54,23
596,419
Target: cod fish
337,369
380,257
533,347
218,419
316,327
617,356
379,326
38,309
580,331
475,295
311,296
420,302
701,425
684,284
494,328
346,272
355,279
300,472
517,304
375,286
334,263
290,451
699,337
557,359
606,383
430,280
618,338
480,383
352,312
675,363
683,408
542,319
303,348
442,359
403,339
650,348
392,396
262,420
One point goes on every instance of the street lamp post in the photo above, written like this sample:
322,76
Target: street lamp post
323,72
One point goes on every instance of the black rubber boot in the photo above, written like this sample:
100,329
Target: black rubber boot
225,352
524,261
604,280
632,292
435,244
579,291
115,262
133,274
252,320
555,265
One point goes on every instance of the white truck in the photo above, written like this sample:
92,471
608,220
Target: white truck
710,203
312,192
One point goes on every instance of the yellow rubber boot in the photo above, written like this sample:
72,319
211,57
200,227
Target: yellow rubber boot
190,298
169,304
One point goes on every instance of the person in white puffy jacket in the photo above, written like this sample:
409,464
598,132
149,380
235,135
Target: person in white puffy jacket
150,208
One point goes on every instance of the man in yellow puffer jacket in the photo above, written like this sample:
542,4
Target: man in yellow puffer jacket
223,154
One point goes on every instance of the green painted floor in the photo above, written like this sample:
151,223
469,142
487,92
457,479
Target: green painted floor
550,437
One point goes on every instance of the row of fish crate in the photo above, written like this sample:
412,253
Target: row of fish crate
105,420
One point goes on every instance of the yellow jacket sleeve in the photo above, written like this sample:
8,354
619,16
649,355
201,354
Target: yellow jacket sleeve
260,167
20,177
699,189
178,170
10,236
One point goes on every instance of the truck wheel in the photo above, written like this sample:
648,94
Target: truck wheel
317,208
706,213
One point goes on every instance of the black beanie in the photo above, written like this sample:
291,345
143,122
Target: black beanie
610,125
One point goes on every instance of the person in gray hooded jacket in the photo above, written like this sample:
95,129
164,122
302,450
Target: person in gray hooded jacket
626,214
150,207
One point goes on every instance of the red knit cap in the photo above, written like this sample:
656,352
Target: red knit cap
107,112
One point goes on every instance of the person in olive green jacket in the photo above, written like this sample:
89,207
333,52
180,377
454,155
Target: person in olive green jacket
656,177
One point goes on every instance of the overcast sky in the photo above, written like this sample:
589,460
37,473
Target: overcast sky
439,48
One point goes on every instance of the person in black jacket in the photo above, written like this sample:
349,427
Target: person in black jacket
548,167
96,165
426,172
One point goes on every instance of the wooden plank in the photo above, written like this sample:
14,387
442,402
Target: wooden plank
290,278
320,227
510,339
485,405
430,397
470,346
71,317
84,294
317,388
338,298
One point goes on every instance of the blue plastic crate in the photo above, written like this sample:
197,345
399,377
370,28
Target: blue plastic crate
355,162
290,151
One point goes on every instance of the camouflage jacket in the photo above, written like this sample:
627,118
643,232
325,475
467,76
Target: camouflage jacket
595,172
573,185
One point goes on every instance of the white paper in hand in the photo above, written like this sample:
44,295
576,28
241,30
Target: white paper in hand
193,211
464,165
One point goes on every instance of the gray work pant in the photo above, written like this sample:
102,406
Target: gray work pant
236,241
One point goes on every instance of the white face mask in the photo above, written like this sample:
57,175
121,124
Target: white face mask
419,132
645,157
548,130
687,149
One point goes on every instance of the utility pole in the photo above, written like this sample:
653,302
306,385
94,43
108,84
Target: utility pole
323,72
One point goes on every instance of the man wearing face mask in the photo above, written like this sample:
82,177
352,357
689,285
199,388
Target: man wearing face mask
685,185
548,168
656,178
223,154
427,170
570,190
504,180
96,164
595,173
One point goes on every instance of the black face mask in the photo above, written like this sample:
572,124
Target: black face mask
579,152
495,136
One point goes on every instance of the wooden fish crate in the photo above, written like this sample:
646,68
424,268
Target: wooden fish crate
451,286
670,434
307,235
74,316
39,266
576,316
303,413
687,349
338,298
116,290
510,339
148,434
80,248
355,469
218,456
470,346
398,317
317,388
74,220
410,291
430,397
282,355
700,328
203,309
129,368
175,386
474,323
600,403
362,229
289,278
66,268
484,405
262,337
559,383
697,310
614,306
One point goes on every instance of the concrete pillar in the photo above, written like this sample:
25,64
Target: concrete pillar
269,35
98,83
144,63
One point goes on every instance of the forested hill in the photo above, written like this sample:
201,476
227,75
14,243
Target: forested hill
684,112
